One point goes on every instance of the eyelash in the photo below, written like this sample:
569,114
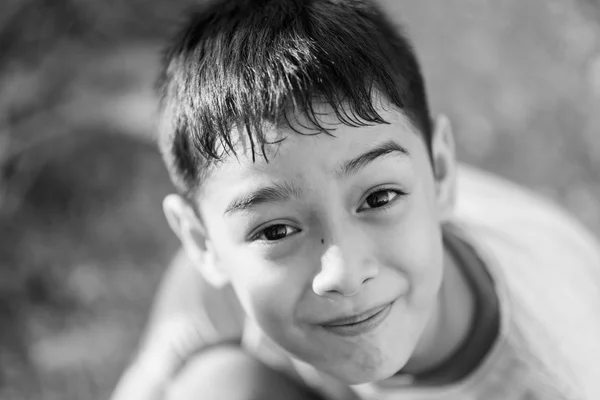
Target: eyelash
261,232
399,195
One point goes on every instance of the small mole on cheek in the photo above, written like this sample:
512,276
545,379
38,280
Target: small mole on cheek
322,241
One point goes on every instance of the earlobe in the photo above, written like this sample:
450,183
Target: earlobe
192,234
444,166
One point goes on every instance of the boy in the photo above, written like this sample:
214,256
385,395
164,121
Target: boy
336,237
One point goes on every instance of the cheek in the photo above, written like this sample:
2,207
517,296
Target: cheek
426,257
417,246
269,293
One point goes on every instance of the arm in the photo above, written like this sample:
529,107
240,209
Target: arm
188,315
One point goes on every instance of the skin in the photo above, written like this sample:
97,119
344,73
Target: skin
344,238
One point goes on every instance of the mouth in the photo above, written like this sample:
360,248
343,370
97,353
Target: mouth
358,324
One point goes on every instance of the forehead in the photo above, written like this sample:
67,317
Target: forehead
295,153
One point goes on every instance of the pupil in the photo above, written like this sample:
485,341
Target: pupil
377,199
275,232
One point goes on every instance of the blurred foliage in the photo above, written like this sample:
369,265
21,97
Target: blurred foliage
82,253
82,238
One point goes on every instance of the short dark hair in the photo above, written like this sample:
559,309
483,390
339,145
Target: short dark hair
245,63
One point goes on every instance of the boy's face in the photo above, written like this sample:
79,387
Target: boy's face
333,246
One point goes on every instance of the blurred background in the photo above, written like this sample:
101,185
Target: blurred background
83,241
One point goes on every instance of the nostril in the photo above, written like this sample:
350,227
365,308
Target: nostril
350,294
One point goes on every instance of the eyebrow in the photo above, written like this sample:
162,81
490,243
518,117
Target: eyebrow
286,191
351,167
268,194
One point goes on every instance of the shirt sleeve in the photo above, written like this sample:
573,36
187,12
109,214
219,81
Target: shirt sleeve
187,316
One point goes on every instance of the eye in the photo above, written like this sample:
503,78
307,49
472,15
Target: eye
379,199
276,232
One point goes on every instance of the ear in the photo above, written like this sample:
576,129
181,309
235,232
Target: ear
189,229
444,166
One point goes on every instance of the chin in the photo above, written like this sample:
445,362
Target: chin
357,376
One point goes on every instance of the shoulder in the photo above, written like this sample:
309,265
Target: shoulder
536,245
547,269
189,313
491,204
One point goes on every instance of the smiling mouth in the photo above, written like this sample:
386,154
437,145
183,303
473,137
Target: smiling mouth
359,324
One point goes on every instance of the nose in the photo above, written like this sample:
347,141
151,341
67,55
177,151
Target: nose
345,268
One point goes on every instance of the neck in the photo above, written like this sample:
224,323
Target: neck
450,323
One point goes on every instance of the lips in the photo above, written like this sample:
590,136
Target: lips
360,323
